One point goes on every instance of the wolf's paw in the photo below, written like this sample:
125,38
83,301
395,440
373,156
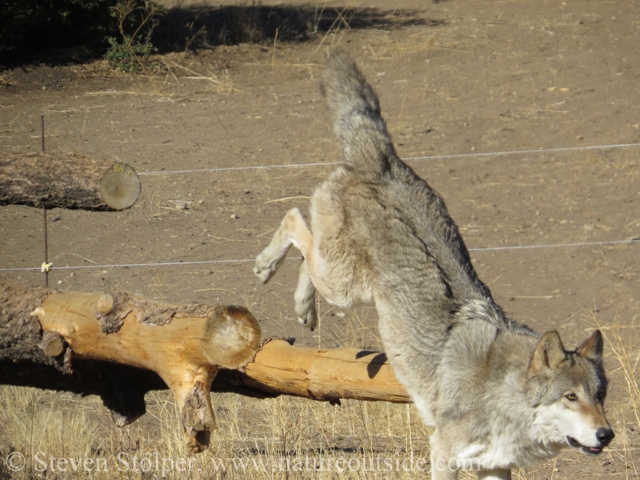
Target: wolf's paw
308,317
263,274
264,270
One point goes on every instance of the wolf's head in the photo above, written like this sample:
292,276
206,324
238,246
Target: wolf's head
568,390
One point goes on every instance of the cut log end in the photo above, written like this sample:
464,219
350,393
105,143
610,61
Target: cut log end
66,180
120,187
52,344
231,337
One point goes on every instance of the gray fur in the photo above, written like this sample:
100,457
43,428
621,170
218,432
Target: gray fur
382,235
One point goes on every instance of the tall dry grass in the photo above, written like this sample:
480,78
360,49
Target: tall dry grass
622,357
281,438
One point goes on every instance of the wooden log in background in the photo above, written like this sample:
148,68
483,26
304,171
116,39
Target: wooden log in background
120,346
66,181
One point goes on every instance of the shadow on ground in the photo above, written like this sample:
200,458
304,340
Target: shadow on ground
203,27
192,28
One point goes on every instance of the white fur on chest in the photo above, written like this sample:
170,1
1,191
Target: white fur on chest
508,450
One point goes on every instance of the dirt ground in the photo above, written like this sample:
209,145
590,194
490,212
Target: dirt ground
221,140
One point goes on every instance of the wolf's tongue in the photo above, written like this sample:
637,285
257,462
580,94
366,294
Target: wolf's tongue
592,449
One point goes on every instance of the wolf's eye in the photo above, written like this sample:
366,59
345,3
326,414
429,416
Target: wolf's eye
600,396
572,397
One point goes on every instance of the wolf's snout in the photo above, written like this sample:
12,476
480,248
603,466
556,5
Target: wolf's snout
604,436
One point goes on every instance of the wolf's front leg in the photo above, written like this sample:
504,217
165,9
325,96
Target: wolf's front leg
497,474
293,231
305,298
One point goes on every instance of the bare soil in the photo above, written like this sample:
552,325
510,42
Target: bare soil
466,78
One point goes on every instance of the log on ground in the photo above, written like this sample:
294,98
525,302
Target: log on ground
279,368
176,342
66,181
120,346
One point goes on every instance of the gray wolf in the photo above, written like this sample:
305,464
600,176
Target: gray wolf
499,395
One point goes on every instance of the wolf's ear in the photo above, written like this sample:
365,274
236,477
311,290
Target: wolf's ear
592,347
548,355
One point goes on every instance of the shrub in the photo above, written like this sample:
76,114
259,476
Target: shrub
27,27
135,21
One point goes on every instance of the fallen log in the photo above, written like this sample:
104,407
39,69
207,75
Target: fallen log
184,345
66,181
318,374
120,346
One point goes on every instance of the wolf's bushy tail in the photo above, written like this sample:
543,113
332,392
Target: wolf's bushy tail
366,144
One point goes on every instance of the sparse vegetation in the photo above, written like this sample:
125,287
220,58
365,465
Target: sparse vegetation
129,31
135,20
30,27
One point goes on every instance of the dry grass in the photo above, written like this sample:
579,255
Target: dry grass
275,438
622,343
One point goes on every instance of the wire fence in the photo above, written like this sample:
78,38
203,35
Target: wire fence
406,159
318,164
628,241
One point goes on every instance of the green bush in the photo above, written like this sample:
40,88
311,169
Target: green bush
126,56
29,27
135,21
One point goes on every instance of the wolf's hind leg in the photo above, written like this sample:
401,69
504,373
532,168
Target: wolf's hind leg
443,467
497,474
292,231
305,298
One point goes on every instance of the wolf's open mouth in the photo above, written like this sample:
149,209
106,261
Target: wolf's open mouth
590,450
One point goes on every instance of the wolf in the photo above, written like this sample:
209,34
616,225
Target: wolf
499,395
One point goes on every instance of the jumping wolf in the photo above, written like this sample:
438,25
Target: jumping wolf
499,395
